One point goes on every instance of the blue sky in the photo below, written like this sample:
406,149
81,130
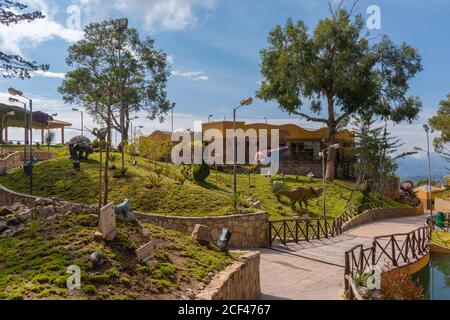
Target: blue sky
215,44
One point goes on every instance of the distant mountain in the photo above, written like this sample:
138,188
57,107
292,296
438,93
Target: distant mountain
416,169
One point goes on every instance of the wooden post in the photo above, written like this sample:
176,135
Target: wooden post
62,135
6,135
42,137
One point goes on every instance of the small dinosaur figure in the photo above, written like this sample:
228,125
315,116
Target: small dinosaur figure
80,147
300,195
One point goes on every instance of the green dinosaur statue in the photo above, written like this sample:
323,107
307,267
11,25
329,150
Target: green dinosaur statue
300,195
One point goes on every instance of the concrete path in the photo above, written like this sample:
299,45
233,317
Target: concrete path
315,270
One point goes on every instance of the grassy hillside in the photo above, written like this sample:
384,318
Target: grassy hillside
55,179
34,267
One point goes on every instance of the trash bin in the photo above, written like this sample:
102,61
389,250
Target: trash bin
440,220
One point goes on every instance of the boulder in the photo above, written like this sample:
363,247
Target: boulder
202,234
3,226
14,221
42,202
5,211
257,205
130,217
17,206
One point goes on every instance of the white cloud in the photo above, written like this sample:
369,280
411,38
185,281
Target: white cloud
192,75
15,37
154,14
49,74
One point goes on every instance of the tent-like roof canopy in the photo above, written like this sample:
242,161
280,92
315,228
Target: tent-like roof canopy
41,120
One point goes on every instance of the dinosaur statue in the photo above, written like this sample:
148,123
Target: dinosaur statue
300,195
80,147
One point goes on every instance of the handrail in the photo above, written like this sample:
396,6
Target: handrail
303,229
397,249
355,291
307,229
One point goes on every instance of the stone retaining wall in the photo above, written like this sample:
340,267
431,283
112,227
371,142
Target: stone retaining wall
442,205
8,198
249,230
15,159
380,214
11,161
240,281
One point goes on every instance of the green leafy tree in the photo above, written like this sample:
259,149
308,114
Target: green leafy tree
338,72
98,79
12,65
441,122
49,138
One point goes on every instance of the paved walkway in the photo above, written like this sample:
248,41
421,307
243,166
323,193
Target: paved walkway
315,270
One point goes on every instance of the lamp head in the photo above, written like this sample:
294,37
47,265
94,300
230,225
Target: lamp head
75,109
13,100
15,92
247,101
121,24
426,128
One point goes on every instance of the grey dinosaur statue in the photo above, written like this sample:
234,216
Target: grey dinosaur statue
80,148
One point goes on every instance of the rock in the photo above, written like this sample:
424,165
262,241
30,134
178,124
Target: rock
24,216
42,202
257,205
130,217
5,211
3,226
97,258
202,234
14,221
17,206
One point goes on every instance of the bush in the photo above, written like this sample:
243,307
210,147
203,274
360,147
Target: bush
201,172
278,186
398,285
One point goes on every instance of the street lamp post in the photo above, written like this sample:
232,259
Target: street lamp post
14,100
19,93
130,121
246,102
427,130
171,112
82,119
265,118
135,134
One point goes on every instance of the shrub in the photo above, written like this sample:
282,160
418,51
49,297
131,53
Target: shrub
398,285
201,172
278,186
34,226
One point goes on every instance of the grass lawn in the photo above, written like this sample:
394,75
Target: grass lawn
441,238
34,267
54,179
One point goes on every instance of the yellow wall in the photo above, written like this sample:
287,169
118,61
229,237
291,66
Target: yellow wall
288,131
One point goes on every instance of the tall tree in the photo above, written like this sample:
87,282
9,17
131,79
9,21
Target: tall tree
441,122
338,72
99,78
12,65
138,72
